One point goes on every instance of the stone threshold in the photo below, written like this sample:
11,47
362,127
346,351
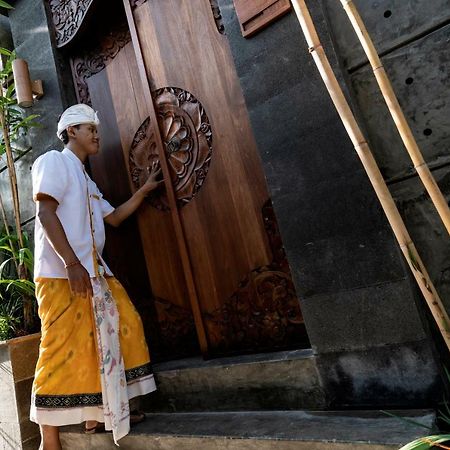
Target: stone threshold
281,430
287,380
199,363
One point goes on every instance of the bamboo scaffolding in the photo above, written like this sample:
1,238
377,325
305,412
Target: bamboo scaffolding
362,148
395,109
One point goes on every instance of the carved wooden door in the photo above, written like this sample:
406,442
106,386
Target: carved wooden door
166,88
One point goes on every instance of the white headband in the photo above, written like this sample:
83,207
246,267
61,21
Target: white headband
76,115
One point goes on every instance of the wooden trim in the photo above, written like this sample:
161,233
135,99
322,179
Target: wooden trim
67,19
254,15
180,235
88,64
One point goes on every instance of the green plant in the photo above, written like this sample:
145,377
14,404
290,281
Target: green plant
428,442
9,319
14,290
16,250
434,441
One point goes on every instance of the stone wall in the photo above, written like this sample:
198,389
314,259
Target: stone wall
17,363
357,296
32,40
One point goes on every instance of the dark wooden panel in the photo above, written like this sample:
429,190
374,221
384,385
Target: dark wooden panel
156,227
192,75
123,250
256,14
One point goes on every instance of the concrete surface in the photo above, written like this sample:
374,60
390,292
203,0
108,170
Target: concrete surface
274,381
281,430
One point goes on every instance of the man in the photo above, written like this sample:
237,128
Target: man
93,357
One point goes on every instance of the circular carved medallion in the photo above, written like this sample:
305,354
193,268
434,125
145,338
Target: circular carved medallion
186,133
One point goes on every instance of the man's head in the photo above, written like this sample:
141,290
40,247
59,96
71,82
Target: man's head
78,126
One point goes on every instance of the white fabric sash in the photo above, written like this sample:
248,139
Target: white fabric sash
116,407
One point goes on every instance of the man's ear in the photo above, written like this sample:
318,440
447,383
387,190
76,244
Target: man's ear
71,131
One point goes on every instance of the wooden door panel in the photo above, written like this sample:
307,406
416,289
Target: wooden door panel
156,226
224,223
117,95
124,243
227,210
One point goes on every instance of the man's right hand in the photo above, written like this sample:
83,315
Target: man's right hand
79,280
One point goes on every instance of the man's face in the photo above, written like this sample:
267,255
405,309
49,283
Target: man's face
87,138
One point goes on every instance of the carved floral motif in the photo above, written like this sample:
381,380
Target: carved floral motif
217,16
264,312
176,329
187,137
67,17
96,60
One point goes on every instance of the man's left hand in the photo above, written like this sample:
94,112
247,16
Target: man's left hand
152,183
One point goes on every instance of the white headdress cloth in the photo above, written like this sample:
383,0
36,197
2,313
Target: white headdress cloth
76,115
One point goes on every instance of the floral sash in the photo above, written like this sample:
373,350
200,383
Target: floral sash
116,409
112,370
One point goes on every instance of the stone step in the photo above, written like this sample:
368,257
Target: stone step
271,381
278,430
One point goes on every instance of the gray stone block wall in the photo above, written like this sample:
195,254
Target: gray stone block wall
412,37
31,38
358,299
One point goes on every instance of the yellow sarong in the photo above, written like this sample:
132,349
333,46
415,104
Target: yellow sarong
67,387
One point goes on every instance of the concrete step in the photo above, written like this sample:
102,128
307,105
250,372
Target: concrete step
279,430
271,381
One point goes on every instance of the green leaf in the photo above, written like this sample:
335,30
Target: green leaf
23,286
3,4
406,420
26,257
15,112
4,51
426,442
32,116
10,91
3,265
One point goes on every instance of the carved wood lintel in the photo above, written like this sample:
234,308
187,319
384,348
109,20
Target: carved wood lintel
67,18
96,60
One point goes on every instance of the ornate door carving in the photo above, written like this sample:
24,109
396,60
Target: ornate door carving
234,257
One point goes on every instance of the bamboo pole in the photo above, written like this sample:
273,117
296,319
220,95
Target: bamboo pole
22,271
5,221
11,175
395,109
362,148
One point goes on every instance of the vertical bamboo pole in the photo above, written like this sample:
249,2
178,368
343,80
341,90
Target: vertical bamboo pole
362,148
397,114
12,177
6,223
